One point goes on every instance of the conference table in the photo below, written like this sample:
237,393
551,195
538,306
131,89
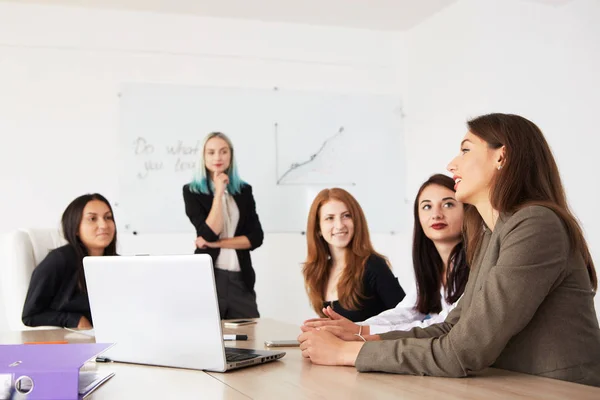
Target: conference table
293,377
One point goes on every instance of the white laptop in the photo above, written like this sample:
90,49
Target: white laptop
162,310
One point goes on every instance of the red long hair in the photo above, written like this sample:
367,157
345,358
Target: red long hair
317,265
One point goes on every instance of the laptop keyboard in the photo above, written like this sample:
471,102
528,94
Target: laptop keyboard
233,354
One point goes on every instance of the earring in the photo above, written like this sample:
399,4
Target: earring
499,167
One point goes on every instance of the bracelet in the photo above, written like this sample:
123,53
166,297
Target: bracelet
359,334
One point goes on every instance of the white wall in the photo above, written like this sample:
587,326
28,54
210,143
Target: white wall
482,56
60,71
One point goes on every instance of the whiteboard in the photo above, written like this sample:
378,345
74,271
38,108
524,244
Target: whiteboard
288,145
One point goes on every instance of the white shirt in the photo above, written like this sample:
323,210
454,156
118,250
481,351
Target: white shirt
228,259
404,316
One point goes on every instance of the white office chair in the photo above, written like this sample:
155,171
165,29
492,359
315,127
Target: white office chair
22,251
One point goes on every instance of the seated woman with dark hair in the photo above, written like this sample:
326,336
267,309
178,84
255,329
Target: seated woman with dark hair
57,294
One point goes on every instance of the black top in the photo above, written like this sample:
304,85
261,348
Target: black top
381,289
197,208
53,298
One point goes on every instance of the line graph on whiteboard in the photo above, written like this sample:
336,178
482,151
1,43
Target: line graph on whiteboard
316,160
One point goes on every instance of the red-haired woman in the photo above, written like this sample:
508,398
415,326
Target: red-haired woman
342,270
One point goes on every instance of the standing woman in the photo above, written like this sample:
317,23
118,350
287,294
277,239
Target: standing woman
222,209
342,270
57,294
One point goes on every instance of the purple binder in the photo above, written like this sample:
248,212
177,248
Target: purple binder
53,369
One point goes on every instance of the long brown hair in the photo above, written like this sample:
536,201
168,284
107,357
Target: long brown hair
71,221
429,266
317,266
529,176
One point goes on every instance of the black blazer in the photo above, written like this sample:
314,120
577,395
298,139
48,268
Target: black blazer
53,297
381,289
197,208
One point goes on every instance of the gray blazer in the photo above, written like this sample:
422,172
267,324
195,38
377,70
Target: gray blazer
528,307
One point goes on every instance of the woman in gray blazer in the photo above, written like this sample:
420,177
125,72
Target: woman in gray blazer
528,305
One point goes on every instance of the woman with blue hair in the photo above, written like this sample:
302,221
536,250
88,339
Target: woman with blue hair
222,209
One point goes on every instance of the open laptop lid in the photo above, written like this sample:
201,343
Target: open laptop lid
159,310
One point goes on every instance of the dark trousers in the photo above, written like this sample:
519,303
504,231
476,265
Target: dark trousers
235,300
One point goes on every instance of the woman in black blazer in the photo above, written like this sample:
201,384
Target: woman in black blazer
222,209
57,294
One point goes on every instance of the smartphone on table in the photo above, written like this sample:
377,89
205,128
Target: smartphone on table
238,322
282,343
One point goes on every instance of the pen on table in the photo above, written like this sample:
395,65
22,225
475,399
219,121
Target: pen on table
103,359
51,342
235,337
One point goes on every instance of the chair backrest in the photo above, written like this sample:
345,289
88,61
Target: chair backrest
22,251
